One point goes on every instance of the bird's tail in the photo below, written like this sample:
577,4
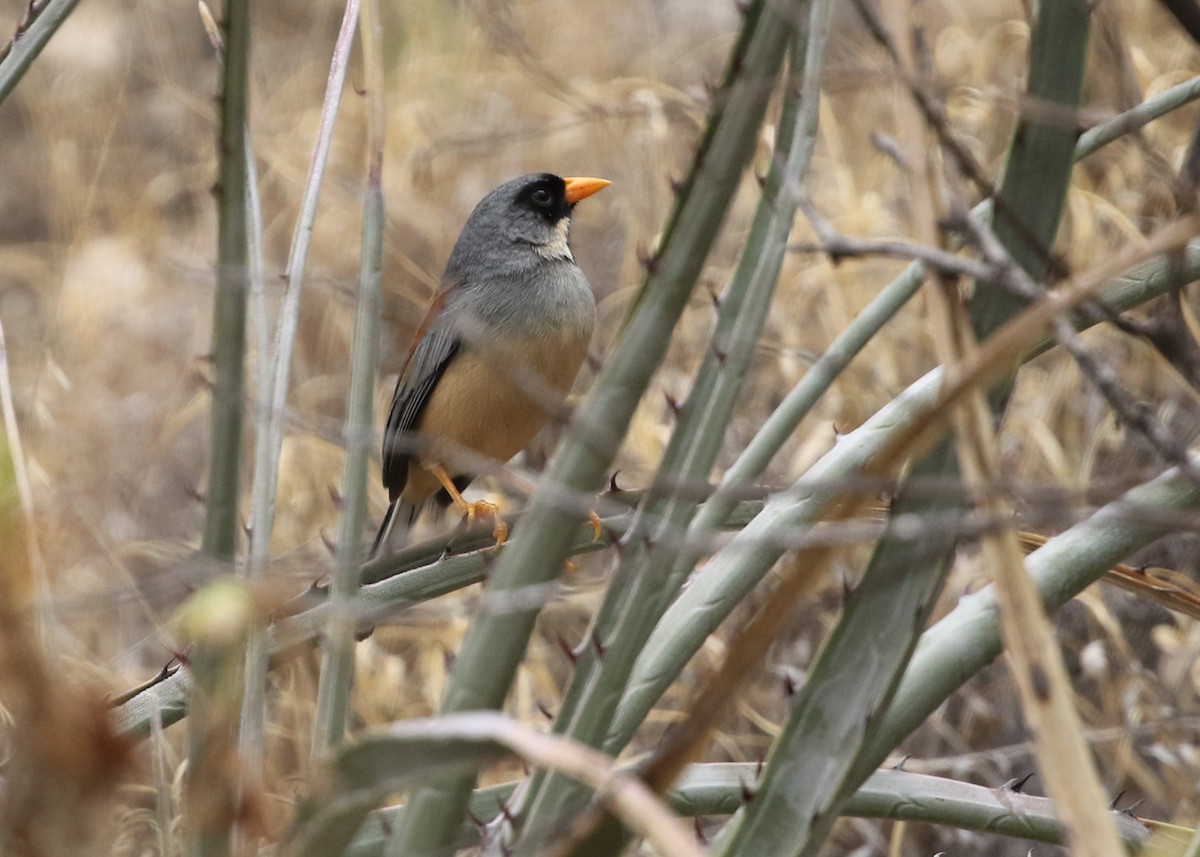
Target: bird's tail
397,521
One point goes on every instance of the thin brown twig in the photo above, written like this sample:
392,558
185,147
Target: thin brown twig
838,247
1169,333
1103,378
934,112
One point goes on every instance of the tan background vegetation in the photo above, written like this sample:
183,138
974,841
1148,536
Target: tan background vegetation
107,241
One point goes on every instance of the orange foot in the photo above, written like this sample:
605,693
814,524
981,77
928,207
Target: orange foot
478,509
597,525
597,534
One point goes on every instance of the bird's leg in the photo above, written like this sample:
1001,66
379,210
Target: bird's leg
478,509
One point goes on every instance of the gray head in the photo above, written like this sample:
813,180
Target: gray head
532,213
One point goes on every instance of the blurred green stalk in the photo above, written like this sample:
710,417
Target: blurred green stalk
274,373
19,54
216,620
337,666
229,313
638,593
720,789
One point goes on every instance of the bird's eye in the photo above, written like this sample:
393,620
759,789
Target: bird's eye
541,196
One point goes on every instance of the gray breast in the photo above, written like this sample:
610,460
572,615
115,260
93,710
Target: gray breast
553,300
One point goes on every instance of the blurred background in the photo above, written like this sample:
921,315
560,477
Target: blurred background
107,247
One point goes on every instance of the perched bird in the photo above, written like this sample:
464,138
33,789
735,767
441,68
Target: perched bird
500,345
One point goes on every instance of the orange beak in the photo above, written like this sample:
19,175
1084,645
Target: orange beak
582,188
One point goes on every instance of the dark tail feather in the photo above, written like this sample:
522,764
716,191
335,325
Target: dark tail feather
384,527
399,516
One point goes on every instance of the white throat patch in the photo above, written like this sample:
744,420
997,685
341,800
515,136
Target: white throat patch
556,247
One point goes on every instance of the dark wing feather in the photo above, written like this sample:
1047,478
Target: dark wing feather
434,346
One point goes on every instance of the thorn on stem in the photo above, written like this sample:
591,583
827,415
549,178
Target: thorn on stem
747,793
1017,785
509,815
713,296
1129,809
647,258
568,650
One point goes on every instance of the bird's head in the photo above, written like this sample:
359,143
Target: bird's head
533,211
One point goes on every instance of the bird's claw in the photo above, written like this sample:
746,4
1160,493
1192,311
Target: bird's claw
484,509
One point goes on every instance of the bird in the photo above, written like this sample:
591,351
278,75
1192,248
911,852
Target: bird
500,345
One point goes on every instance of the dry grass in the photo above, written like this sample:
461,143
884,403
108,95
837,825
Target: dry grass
107,237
